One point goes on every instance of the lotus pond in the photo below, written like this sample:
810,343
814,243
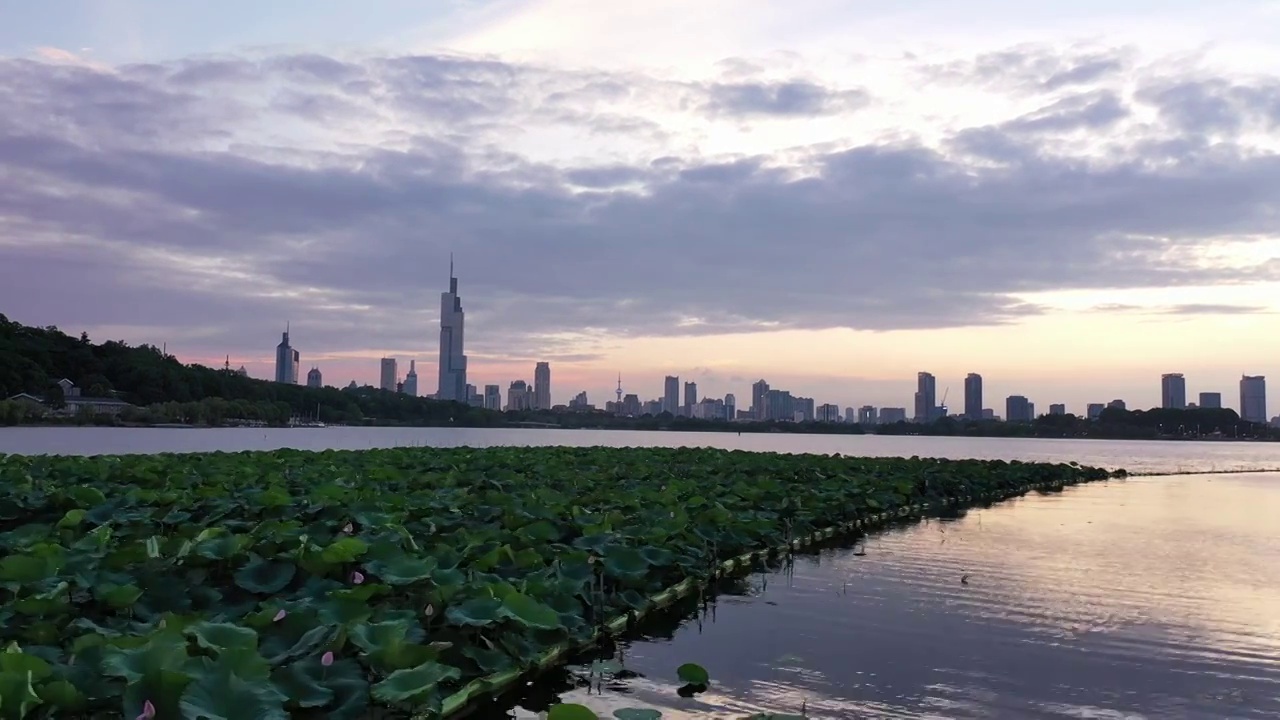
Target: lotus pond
380,583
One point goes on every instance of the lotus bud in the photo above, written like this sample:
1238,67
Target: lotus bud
357,577
428,610
279,615
327,659
348,528
148,711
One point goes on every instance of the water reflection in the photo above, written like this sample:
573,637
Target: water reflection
1152,597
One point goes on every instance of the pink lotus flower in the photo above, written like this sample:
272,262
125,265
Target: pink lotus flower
327,659
279,616
148,711
357,577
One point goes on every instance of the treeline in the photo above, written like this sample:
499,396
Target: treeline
33,360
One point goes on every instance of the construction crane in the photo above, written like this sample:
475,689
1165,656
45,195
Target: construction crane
943,404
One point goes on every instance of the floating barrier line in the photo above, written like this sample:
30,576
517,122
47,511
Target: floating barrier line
491,686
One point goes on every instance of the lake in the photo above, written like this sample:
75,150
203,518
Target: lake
1153,597
1134,456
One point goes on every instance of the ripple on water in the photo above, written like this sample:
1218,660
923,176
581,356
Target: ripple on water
1151,598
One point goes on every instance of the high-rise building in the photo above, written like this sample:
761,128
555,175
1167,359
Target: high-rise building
410,386
1018,409
730,407
286,360
314,378
492,397
1057,409
926,397
804,409
1211,400
1118,404
973,396
1173,391
453,363
519,396
779,406
890,415
631,405
577,402
759,389
388,377
542,386
828,413
1253,398
690,398
671,395
867,415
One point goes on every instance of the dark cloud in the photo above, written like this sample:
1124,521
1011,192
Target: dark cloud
1033,68
793,98
1215,105
176,225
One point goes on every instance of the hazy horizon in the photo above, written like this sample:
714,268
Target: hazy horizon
828,195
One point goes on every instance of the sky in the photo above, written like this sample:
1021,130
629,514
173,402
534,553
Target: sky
1068,198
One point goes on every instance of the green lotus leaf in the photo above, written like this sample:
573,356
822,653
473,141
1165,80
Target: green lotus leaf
223,547
223,695
657,556
625,562
571,711
350,689
17,696
223,636
304,683
693,674
418,686
489,661
62,695
72,518
14,660
24,569
154,672
637,714
119,596
402,570
279,649
85,496
530,613
541,531
344,550
393,645
263,577
479,612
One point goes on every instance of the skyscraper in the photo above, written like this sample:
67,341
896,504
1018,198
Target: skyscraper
690,398
314,378
926,397
1211,400
411,380
388,376
730,407
286,360
759,389
671,394
542,386
973,396
1253,398
492,397
1018,409
1173,391
453,363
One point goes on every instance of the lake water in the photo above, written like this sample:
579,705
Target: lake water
1153,597
1134,456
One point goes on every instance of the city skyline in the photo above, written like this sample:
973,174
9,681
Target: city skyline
1063,199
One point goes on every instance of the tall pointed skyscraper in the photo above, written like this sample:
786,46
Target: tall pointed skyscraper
453,363
286,360
410,386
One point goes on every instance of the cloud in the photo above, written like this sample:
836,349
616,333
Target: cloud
1034,68
1181,309
237,193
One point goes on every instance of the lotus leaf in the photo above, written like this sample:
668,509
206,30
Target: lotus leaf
530,613
418,685
693,674
157,578
479,612
571,711
402,570
266,578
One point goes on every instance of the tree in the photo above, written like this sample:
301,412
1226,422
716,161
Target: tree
54,397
